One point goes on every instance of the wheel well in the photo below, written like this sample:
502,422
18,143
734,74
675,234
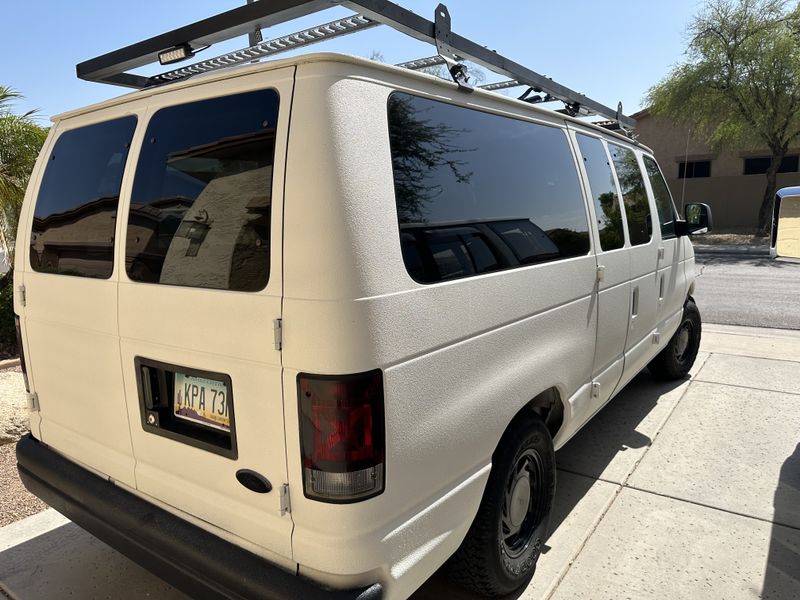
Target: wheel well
547,406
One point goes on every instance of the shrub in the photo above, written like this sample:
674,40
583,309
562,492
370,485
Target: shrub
8,336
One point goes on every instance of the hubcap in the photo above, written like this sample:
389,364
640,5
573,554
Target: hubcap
682,340
520,499
524,503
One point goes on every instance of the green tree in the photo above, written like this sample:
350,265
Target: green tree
21,138
740,82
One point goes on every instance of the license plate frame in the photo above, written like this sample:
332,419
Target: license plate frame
155,381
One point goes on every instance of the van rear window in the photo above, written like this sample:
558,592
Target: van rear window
202,195
76,209
478,193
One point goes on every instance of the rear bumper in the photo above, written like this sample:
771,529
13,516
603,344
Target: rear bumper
191,559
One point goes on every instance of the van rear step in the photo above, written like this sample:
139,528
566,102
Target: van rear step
193,560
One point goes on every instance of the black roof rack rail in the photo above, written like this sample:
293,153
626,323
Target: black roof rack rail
452,49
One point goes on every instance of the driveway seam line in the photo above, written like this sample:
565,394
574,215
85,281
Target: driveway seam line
709,506
747,387
686,500
757,357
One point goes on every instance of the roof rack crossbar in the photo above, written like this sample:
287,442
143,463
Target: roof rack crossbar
422,29
113,67
312,35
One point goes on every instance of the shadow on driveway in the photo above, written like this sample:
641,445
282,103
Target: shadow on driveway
782,577
611,432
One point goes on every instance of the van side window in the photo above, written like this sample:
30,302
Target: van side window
200,205
664,206
478,193
634,194
604,192
76,209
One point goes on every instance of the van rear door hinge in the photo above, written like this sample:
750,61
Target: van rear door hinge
33,401
277,329
595,389
286,505
22,298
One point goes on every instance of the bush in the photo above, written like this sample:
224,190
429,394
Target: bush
8,335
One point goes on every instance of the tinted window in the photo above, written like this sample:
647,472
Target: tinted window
478,192
604,192
634,194
695,168
666,211
76,210
200,206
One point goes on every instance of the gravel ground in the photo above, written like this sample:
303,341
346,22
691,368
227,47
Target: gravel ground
15,502
13,407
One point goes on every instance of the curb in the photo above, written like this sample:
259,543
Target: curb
7,364
737,250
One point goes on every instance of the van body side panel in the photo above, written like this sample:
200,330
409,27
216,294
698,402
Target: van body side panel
460,358
222,331
21,261
72,339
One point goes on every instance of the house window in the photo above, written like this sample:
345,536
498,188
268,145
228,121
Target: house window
759,165
694,168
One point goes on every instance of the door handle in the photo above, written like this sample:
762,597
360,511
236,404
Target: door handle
635,302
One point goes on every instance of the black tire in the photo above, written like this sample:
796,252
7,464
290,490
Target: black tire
677,357
492,560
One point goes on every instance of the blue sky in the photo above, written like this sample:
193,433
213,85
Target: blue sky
611,51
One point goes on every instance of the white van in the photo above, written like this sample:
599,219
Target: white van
315,327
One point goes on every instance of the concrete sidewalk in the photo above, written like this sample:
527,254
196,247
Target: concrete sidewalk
675,490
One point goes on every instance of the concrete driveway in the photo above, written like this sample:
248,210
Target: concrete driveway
679,490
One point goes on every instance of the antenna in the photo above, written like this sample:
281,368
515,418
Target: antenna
452,49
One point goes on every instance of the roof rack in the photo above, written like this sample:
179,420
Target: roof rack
452,49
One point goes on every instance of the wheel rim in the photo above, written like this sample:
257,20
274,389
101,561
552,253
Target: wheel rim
523,503
683,341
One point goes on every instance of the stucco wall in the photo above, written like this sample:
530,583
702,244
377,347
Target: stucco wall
734,197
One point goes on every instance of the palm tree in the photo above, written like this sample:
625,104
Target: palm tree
21,138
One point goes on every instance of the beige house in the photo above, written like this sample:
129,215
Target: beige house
732,182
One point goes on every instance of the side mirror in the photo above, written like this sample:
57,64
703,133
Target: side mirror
698,220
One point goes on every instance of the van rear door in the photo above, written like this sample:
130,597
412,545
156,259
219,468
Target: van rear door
199,294
69,314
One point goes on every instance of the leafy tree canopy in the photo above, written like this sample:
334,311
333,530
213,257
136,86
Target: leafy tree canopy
21,138
740,82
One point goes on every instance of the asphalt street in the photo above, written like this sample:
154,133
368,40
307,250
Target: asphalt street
736,289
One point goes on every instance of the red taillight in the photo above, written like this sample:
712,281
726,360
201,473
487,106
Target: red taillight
21,351
342,436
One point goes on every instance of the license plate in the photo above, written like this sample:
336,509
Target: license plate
204,401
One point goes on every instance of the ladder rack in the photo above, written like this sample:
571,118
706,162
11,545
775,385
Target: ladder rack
452,49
